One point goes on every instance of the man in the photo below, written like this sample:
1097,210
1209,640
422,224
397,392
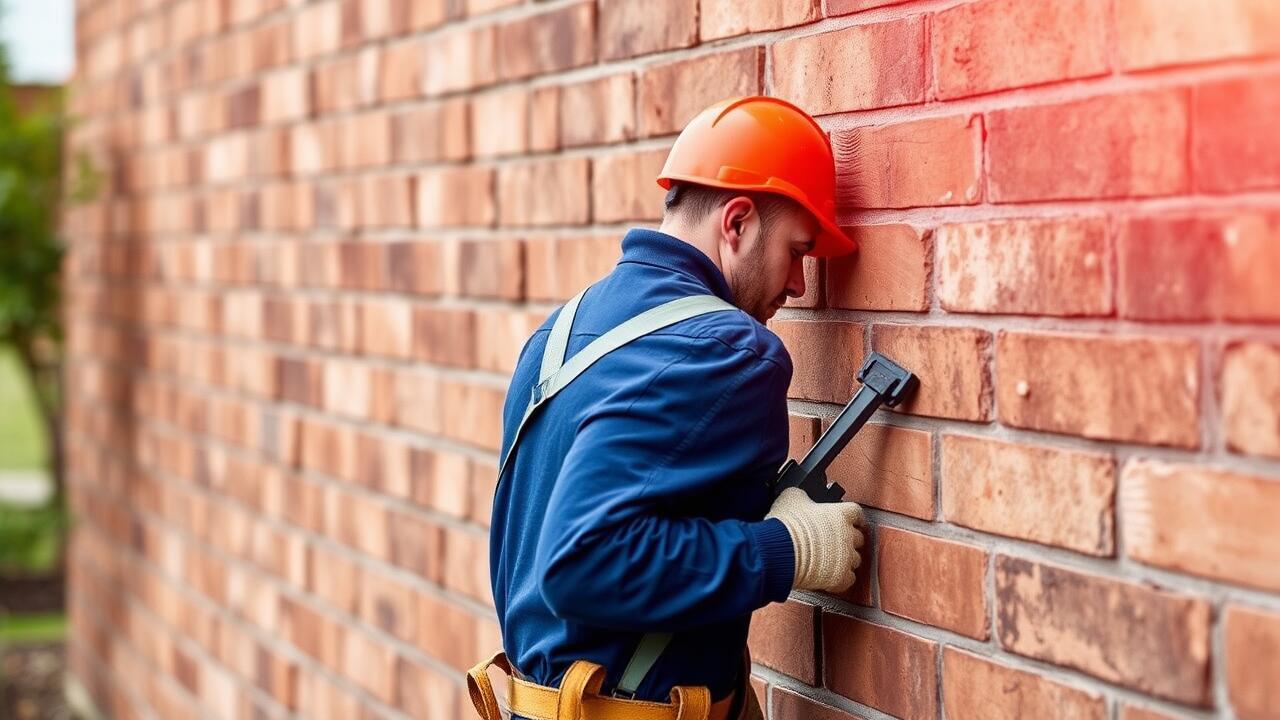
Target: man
629,542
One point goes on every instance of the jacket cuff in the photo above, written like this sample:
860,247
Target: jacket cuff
778,556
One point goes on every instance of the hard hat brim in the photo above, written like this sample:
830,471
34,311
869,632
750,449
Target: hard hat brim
831,240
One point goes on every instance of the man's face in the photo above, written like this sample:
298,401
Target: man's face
763,270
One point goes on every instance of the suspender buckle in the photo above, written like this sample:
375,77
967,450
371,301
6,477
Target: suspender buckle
623,694
540,391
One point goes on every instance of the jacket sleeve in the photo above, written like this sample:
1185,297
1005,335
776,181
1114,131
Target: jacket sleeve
615,549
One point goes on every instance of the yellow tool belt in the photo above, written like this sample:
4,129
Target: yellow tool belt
579,698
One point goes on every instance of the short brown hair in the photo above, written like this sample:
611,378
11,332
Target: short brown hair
696,202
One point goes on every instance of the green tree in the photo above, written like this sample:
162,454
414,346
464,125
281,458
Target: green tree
31,249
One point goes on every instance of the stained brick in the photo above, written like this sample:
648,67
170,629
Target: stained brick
889,468
669,96
452,197
1132,389
788,705
598,111
1043,494
889,271
726,18
544,192
1202,520
1204,267
1033,267
1112,146
1157,33
783,637
1253,662
857,68
484,268
1234,147
912,569
500,122
922,163
826,357
558,267
548,42
623,186
639,27
975,687
880,667
997,44
951,363
1151,640
1251,398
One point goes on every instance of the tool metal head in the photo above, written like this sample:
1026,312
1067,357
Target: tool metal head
890,380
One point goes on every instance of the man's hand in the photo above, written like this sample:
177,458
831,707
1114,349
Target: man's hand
826,537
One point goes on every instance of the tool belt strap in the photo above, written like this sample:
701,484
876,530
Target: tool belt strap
579,698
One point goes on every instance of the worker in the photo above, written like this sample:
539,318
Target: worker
634,529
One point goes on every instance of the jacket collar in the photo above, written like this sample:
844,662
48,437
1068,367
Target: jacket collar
660,250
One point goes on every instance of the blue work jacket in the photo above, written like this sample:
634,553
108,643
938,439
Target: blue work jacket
635,499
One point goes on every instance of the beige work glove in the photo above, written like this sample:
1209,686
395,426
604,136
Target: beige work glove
826,538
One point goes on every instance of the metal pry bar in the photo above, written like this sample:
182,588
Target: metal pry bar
883,382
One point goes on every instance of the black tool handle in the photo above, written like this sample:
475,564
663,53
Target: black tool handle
883,382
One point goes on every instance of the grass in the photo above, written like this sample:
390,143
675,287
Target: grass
33,628
22,441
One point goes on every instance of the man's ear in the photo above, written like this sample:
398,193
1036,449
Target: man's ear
733,220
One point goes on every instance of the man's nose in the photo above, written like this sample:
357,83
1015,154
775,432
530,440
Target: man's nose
795,279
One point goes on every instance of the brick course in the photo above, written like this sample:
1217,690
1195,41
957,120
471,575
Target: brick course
327,227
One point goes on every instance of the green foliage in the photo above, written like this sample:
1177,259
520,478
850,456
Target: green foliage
30,189
31,539
32,628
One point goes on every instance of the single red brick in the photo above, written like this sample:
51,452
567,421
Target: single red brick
1253,662
726,18
932,581
544,119
803,432
623,187
544,192
975,687
1251,398
1153,641
856,68
484,268
1203,521
548,42
889,468
1234,146
951,363
670,95
825,357
889,271
466,565
480,7
459,58
1033,267
1132,712
997,44
788,705
844,7
424,692
874,665
438,131
1152,33
500,334
922,163
639,27
476,415
444,335
500,122
1208,267
400,72
1114,146
598,111
1133,389
455,196
1043,494
783,638
558,267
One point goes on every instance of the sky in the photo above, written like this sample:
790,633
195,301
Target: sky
38,35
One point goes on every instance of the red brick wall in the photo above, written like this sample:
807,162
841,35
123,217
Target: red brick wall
329,225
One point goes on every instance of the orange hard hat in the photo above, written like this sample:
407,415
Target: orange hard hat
762,144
